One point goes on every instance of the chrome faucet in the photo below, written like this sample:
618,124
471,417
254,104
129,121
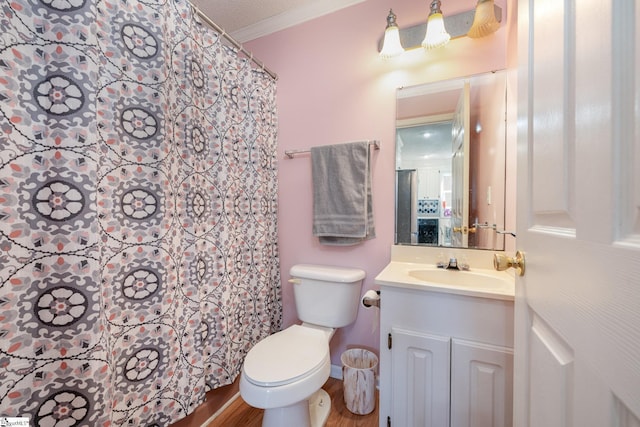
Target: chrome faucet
453,263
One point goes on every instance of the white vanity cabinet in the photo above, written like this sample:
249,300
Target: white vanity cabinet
446,359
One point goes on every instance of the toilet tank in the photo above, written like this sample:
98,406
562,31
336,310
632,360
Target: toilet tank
326,296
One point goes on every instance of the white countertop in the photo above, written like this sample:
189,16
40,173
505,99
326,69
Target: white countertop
482,283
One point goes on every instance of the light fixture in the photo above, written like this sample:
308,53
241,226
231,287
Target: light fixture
436,35
484,21
391,46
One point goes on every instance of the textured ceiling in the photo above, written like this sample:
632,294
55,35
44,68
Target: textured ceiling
249,19
236,14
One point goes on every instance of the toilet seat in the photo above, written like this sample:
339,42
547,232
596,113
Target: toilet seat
286,356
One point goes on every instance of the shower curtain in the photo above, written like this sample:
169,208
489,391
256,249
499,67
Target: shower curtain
138,234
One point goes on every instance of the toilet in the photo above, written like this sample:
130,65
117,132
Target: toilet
283,374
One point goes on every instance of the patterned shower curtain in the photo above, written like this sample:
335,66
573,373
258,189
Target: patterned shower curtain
138,235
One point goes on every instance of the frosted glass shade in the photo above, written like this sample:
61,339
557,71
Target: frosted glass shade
484,21
391,45
436,33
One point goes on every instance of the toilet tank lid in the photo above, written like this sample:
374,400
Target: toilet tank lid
327,273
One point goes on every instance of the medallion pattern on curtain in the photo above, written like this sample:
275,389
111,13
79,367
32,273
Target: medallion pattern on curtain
138,234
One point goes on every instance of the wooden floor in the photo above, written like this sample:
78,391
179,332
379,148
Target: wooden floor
239,414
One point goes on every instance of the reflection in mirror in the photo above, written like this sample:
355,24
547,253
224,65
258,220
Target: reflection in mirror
450,163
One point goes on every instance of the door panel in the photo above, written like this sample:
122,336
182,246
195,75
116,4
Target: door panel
626,125
420,384
460,169
550,393
481,385
552,187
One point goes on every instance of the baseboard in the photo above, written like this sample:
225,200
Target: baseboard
336,372
221,410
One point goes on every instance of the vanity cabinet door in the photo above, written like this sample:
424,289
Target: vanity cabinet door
420,366
481,385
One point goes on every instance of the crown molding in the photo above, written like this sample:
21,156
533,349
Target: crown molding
291,18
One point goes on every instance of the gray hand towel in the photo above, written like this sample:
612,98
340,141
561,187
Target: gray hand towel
342,205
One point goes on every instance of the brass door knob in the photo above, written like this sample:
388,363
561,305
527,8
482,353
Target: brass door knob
464,229
502,262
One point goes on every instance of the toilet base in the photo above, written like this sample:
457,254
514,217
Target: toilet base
319,408
313,412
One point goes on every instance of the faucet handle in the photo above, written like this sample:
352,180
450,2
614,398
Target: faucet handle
463,263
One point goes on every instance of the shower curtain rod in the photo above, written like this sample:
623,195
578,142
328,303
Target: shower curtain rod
233,41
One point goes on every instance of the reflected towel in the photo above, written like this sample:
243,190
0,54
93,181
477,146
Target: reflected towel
342,201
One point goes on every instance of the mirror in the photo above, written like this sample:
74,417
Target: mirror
450,163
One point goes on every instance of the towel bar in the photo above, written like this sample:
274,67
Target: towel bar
291,153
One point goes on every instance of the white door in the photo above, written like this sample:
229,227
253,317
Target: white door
460,170
578,304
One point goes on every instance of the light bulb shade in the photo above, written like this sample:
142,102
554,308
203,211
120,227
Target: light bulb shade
391,45
484,21
436,33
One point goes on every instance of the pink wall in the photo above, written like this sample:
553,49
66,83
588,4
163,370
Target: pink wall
333,88
487,149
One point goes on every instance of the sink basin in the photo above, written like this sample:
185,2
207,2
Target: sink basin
476,282
471,279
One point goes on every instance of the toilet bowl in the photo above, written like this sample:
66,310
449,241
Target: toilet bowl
284,373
